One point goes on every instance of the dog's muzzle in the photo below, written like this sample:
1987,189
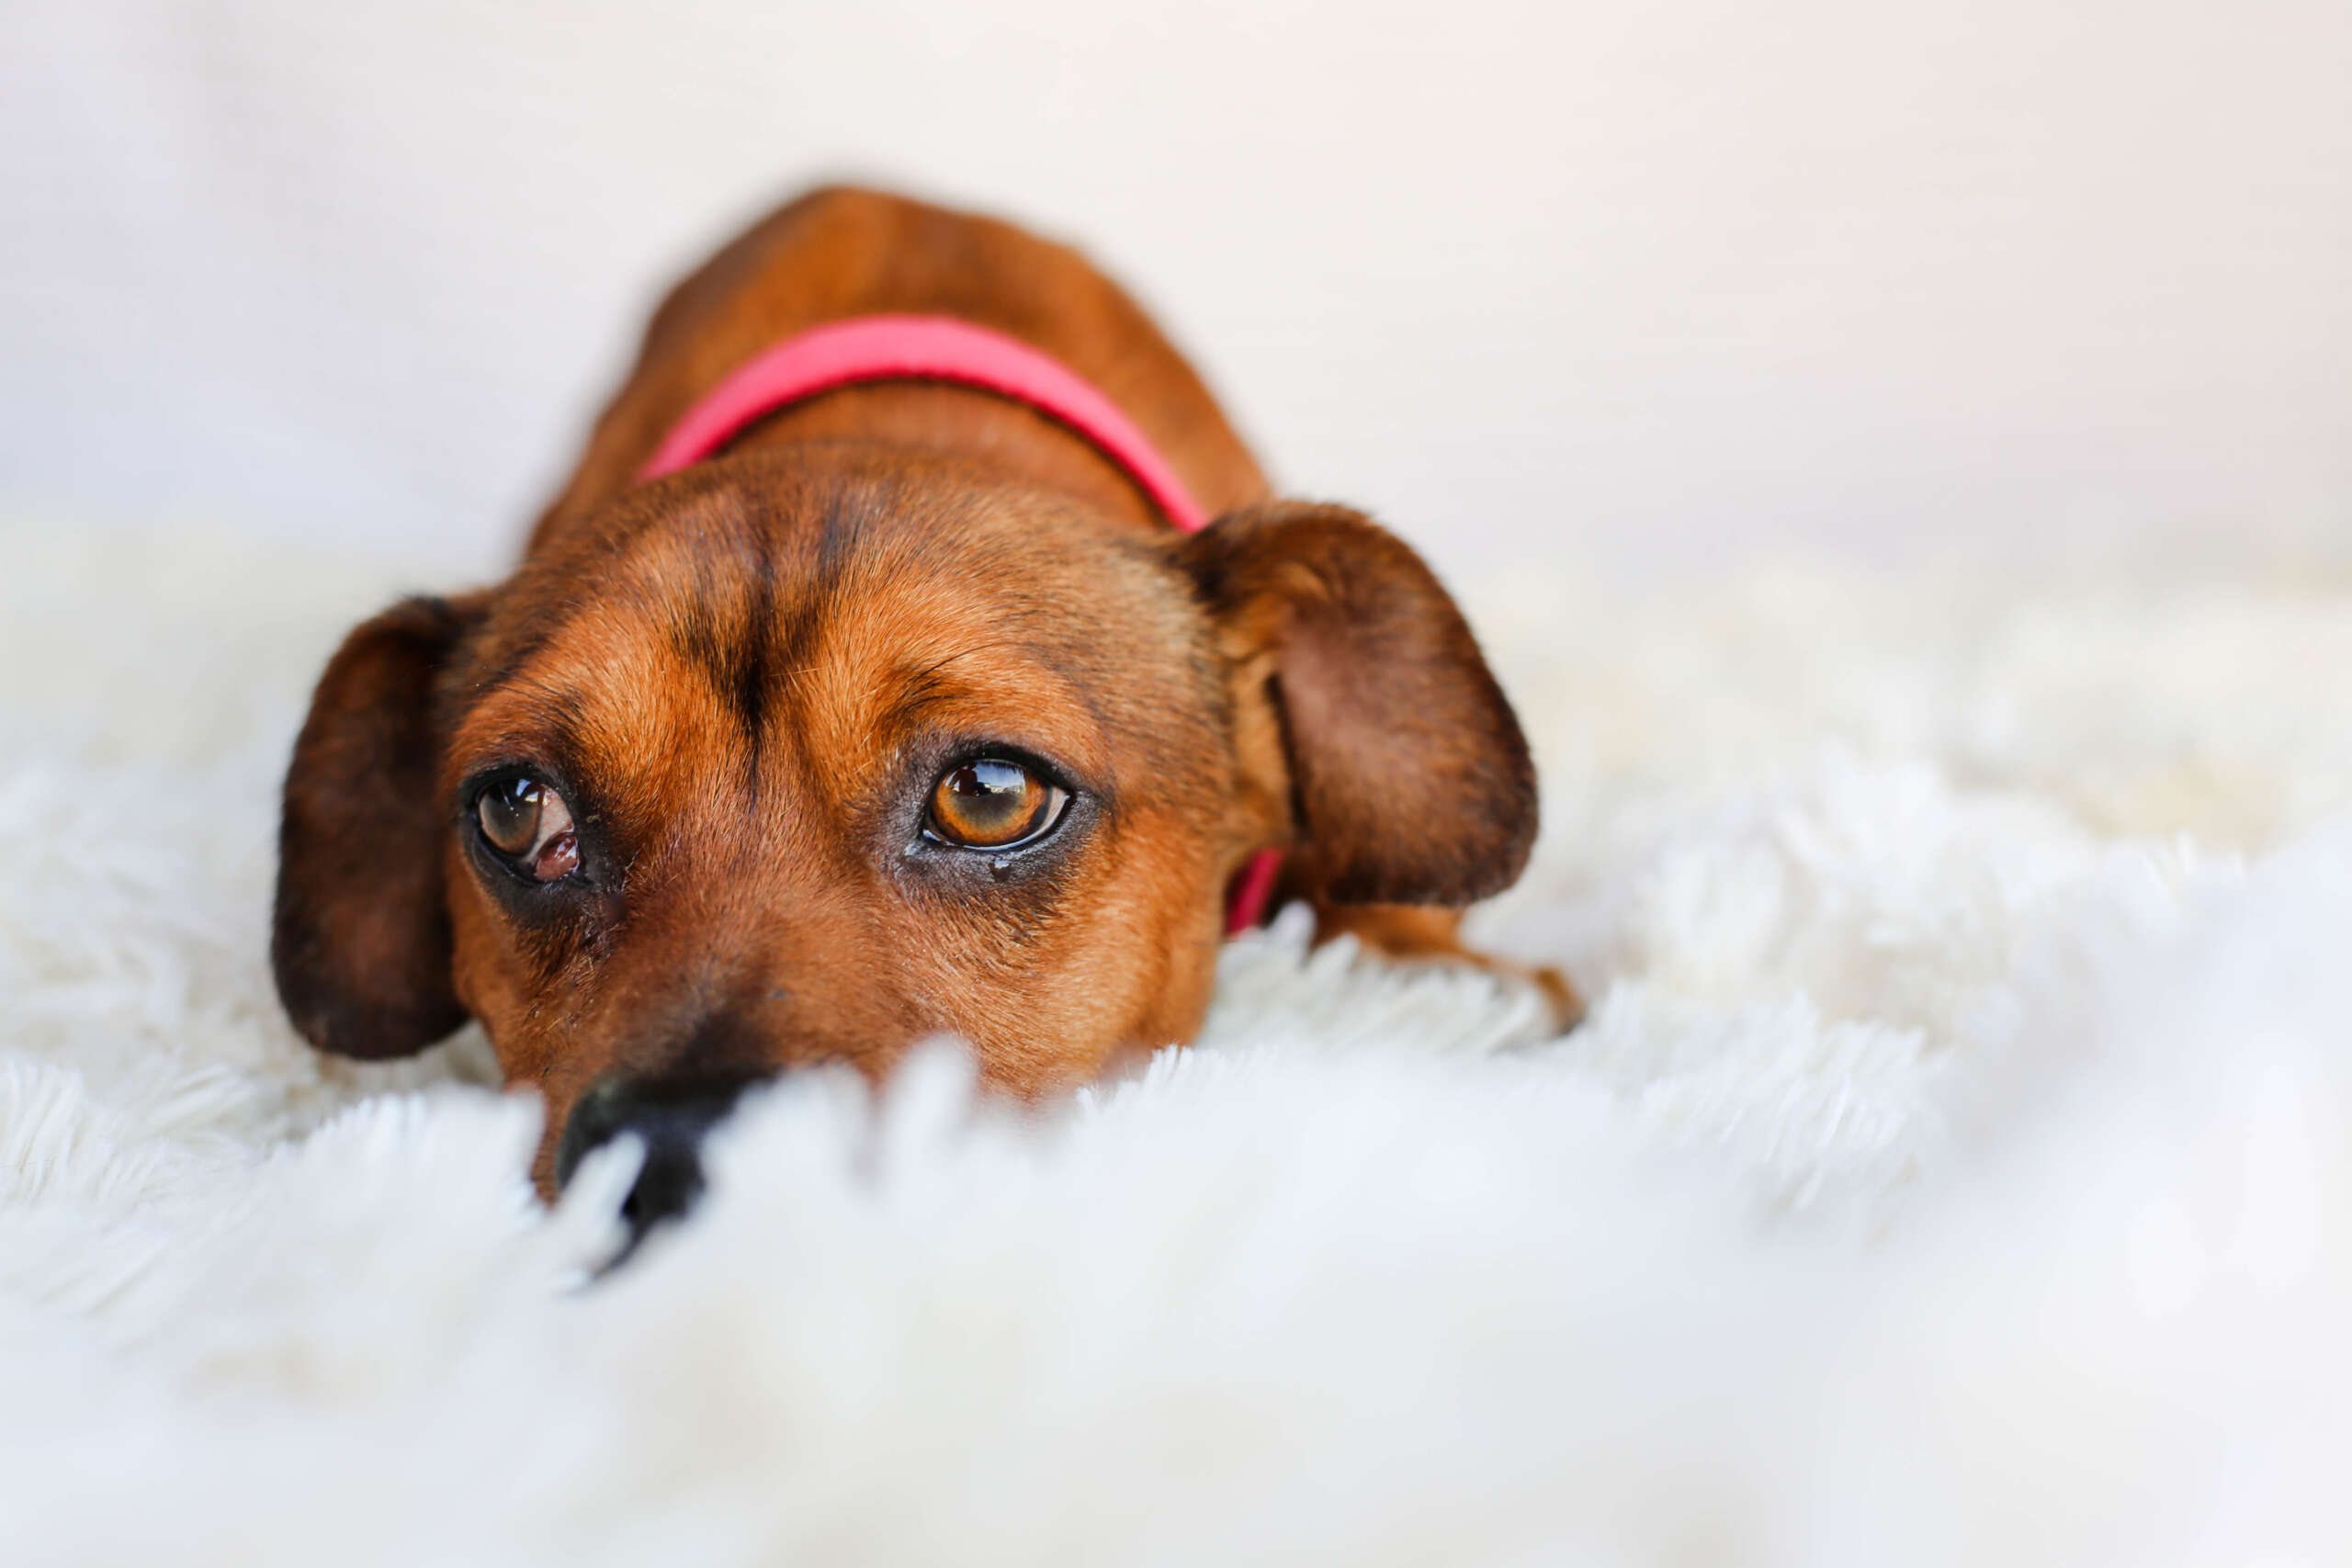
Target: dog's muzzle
669,1118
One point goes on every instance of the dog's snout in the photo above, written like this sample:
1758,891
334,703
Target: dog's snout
670,1119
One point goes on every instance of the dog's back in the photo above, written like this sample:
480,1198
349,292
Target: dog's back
840,253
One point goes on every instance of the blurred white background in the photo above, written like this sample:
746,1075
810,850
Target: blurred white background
1664,282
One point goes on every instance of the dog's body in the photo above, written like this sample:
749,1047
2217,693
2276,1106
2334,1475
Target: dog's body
719,784
839,254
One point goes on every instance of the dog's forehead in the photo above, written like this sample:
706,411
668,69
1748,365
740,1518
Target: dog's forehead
824,617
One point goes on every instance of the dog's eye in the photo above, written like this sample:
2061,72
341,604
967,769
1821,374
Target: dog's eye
992,804
529,824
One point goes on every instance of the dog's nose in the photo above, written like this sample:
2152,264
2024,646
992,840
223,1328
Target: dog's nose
671,1119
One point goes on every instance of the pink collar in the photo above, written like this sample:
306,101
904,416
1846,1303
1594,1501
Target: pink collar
940,348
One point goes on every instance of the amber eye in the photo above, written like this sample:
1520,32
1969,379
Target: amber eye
528,823
992,804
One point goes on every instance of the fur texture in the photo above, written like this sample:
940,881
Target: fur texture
732,691
1955,1168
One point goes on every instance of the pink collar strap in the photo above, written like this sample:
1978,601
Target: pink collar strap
940,348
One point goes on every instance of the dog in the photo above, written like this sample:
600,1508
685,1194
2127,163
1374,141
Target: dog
963,676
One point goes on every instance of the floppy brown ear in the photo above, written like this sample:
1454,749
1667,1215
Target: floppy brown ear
360,944
1409,778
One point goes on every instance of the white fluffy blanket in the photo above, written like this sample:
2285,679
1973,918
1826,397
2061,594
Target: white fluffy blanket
1955,1168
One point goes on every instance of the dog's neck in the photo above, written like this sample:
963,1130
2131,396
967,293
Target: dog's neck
997,438
933,351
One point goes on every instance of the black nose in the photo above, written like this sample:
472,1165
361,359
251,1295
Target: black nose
669,1118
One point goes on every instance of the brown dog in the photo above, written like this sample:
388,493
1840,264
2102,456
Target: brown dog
906,716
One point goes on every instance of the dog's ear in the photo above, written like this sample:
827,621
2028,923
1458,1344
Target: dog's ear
1409,778
360,943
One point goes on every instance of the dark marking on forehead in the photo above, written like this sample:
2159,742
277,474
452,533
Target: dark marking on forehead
794,621
725,631
842,531
753,667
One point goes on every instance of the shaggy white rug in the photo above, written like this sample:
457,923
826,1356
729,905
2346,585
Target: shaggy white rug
1954,1170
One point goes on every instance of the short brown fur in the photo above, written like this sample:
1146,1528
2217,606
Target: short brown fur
745,678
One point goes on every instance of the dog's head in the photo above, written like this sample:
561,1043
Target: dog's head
806,754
